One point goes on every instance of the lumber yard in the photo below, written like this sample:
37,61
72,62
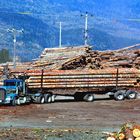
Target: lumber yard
74,71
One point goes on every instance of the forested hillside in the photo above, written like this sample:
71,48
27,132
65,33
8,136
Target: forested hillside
115,24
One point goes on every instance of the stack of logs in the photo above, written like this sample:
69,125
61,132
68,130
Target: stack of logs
123,77
85,58
55,58
1,75
79,58
128,131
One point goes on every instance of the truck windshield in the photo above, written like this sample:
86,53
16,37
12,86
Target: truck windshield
10,83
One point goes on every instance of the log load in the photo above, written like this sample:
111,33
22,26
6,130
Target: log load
84,79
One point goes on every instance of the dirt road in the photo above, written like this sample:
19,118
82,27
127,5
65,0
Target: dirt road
98,115
66,120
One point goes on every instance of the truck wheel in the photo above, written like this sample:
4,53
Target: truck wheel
131,94
53,98
48,98
119,96
89,97
18,101
13,102
40,100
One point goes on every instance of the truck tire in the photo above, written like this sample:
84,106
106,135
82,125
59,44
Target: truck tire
53,98
89,98
119,95
40,100
18,101
131,94
48,98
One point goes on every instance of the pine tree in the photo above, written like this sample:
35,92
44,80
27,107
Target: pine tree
4,56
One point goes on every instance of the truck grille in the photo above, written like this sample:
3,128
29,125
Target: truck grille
2,94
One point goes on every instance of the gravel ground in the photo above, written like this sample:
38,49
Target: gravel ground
81,120
49,134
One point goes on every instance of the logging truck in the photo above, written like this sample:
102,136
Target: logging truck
43,86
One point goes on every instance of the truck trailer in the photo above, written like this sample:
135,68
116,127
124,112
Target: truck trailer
84,84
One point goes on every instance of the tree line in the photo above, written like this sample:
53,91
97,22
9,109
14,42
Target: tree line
4,56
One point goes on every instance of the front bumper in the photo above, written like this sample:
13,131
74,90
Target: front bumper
5,101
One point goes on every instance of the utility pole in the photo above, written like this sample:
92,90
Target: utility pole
86,28
14,32
60,34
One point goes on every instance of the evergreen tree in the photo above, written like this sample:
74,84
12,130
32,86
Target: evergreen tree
4,56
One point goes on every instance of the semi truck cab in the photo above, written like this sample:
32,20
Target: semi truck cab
13,92
7,96
15,83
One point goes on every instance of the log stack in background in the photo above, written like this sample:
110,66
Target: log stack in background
55,58
85,58
80,58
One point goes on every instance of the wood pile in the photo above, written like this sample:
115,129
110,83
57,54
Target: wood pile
82,57
128,131
54,58
84,78
79,58
7,71
19,66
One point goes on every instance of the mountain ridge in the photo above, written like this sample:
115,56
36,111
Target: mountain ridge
109,28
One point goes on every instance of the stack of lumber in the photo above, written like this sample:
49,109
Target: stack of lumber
54,58
20,65
84,79
7,70
80,58
129,131
121,58
83,57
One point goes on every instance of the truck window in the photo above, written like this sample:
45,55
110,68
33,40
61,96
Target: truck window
20,84
10,83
